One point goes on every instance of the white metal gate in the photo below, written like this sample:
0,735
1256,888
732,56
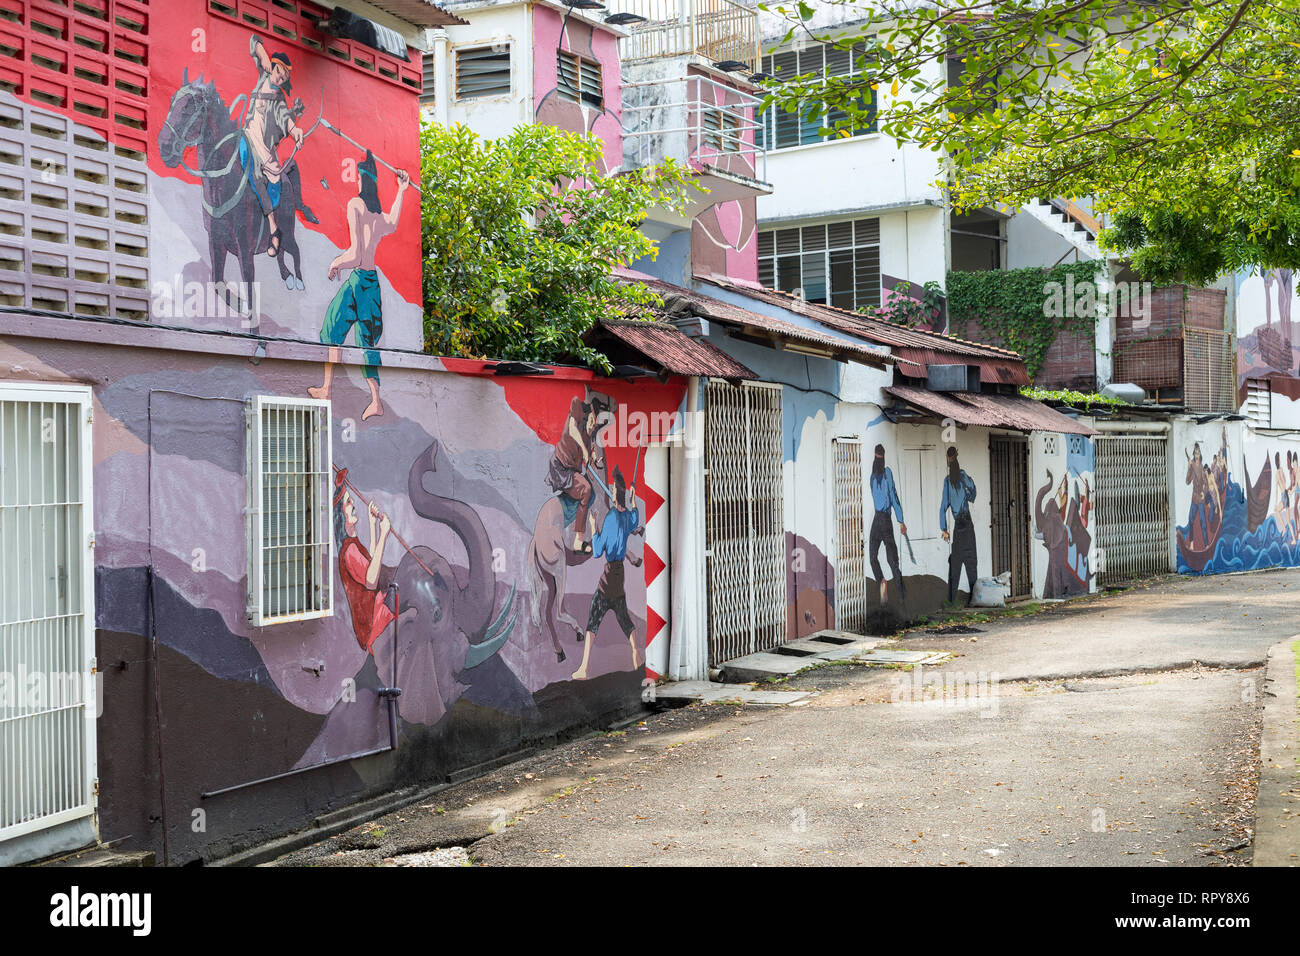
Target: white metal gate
1132,506
47,743
745,522
850,548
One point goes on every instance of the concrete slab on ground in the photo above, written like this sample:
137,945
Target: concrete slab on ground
710,692
901,657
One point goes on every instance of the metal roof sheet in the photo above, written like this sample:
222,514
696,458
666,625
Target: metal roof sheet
421,13
993,411
675,351
679,300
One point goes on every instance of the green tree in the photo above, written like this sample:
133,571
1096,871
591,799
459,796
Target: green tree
1180,118
521,237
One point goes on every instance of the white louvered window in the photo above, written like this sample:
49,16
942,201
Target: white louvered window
483,71
428,83
1259,402
291,549
834,263
579,80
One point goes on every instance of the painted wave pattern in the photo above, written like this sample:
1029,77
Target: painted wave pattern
1240,550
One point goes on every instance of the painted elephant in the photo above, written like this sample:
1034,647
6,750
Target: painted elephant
444,629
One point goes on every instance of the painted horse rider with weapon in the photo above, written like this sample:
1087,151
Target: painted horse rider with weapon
267,123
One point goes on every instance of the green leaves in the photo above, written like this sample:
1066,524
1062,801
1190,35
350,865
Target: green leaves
521,236
1185,107
1014,306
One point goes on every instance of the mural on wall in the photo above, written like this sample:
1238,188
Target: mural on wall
958,495
256,157
1061,512
1267,345
1234,528
595,113
884,496
565,533
724,241
357,307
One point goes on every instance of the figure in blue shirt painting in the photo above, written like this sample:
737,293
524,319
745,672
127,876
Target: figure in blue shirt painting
958,494
620,524
884,495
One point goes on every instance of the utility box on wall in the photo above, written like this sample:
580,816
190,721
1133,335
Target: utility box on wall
952,378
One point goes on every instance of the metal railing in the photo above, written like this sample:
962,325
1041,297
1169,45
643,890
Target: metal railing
716,30
693,120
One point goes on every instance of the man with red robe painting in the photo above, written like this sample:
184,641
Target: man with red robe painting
359,566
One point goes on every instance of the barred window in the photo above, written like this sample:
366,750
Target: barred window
779,129
834,263
290,511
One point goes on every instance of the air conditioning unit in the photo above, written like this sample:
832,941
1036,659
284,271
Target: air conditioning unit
952,378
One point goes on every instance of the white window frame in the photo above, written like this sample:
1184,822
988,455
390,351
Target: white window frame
828,249
767,120
80,397
323,447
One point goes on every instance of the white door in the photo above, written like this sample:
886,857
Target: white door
47,701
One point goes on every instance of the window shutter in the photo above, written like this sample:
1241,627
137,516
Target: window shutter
482,71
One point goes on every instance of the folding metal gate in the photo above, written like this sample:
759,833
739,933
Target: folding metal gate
47,743
745,522
1009,502
850,551
1132,506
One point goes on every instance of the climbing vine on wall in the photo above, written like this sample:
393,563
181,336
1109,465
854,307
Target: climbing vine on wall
1022,308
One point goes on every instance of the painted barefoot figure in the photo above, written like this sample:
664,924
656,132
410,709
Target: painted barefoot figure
621,523
357,304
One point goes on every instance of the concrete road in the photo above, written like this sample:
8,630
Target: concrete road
1120,730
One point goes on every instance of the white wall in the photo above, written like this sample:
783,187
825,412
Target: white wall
493,116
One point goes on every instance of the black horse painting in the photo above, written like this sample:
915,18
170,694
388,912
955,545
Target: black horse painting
199,118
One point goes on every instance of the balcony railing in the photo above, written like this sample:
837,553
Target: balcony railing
695,120
715,30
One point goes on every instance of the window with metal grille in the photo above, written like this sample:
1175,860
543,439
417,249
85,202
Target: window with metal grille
1259,401
779,129
290,510
834,263
579,80
483,71
47,608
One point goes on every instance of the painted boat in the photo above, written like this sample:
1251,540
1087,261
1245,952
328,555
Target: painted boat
1196,556
1261,492
1274,349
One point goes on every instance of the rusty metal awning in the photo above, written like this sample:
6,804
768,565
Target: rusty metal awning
990,411
421,13
764,330
913,349
674,351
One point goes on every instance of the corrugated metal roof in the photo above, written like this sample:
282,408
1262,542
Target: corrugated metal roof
997,366
995,411
675,351
421,13
679,300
